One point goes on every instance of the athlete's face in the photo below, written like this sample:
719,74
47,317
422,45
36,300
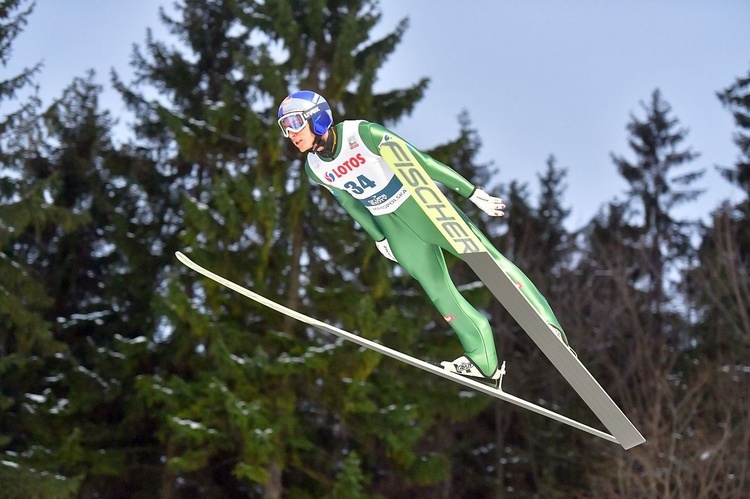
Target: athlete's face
302,140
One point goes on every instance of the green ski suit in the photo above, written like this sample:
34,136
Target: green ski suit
366,187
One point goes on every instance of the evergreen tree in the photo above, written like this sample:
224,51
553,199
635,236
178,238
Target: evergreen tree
641,336
243,398
656,188
718,287
535,456
95,266
719,280
22,298
736,98
78,273
27,344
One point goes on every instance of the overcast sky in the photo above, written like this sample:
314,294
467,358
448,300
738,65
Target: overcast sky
538,78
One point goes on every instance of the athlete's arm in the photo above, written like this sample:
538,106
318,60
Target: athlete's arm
372,134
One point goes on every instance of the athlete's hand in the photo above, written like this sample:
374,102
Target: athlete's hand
385,249
489,204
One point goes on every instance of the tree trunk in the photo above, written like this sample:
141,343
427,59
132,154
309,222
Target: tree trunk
274,488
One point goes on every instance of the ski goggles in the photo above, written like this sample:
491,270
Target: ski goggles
292,122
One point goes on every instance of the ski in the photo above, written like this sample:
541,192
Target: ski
564,360
445,217
394,354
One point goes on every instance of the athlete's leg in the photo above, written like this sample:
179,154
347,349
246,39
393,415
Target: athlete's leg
522,282
425,262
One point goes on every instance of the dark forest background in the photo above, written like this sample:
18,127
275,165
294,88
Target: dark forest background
123,374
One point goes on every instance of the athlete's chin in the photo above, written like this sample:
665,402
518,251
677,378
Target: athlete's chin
303,146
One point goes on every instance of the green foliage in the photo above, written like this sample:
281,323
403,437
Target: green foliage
123,373
350,480
736,98
19,482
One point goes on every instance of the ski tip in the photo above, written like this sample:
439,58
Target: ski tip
181,257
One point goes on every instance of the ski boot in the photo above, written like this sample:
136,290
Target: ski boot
561,336
464,366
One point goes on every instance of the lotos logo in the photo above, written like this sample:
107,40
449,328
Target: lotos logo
344,168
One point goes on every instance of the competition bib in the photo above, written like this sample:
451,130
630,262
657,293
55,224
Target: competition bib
361,173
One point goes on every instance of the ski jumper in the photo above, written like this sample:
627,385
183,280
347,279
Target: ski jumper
369,191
